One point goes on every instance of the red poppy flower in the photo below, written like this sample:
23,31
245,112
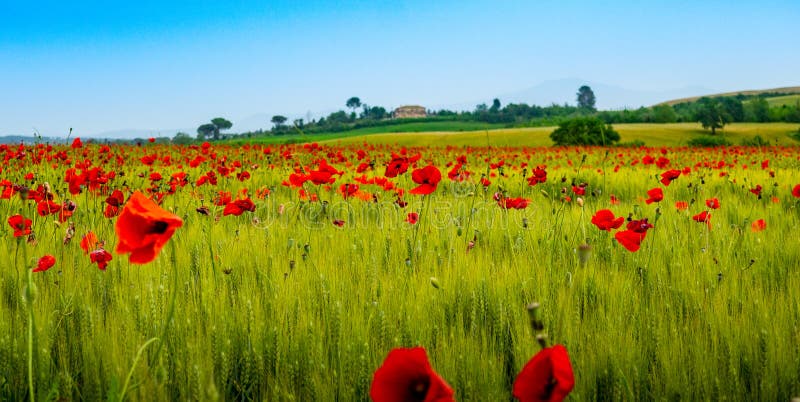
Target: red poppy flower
546,377
796,191
222,198
412,218
655,194
338,222
682,205
758,225
101,257
513,203
77,143
46,207
399,165
757,190
579,190
712,203
407,376
67,209
89,242
629,239
45,263
539,176
238,207
348,190
604,220
116,198
670,175
143,228
20,224
428,179
703,217
639,226
614,200
111,211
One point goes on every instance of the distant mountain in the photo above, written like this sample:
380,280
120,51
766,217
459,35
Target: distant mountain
16,139
139,133
785,90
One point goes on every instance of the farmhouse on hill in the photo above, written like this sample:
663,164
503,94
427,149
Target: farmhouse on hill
409,111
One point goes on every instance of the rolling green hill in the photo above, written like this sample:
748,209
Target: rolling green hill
788,90
787,100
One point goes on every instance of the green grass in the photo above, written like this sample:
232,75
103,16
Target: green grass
449,126
676,134
788,100
282,305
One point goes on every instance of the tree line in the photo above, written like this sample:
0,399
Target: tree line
712,112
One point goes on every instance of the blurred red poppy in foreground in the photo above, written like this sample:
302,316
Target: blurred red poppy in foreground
546,377
405,376
796,191
143,228
428,179
45,263
604,220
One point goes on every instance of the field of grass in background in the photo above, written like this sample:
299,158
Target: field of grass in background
674,134
787,100
296,136
282,305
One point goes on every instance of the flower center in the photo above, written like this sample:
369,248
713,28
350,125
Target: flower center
419,389
159,227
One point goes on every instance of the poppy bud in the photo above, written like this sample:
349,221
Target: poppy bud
579,201
533,315
584,252
542,340
291,265
435,283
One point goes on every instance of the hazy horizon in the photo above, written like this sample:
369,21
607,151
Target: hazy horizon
100,68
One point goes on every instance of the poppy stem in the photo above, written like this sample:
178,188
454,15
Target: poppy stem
133,367
172,298
30,294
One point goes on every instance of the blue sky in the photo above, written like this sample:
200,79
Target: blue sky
100,66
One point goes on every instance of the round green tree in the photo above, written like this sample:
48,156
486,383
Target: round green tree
584,131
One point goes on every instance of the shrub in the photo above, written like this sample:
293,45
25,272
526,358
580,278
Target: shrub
709,141
632,144
584,131
756,141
